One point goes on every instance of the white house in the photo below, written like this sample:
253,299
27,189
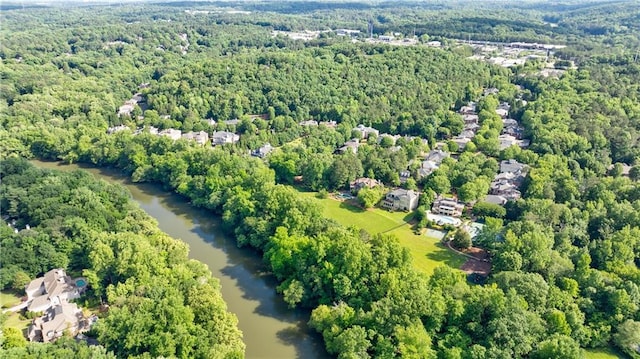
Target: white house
224,137
171,133
401,199
447,207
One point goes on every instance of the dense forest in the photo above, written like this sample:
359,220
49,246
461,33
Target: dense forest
565,256
161,303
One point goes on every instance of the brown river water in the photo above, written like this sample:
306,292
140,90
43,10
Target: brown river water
270,328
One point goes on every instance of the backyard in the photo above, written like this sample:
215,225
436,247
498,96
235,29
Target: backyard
602,354
427,252
7,300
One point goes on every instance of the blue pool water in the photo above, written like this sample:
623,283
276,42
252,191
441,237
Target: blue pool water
81,283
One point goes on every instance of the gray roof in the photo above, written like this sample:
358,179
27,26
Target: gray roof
511,165
499,200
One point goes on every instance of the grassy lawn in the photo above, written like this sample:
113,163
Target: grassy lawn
427,252
606,353
8,299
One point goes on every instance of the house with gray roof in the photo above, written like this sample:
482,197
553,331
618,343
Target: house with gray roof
56,321
401,200
363,182
171,133
512,166
351,145
436,156
53,288
224,137
366,131
200,138
263,151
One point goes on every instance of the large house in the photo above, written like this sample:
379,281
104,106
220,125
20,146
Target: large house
200,138
54,288
401,199
507,141
65,317
50,295
224,137
366,131
171,133
505,184
363,182
263,151
512,166
447,207
436,156
351,145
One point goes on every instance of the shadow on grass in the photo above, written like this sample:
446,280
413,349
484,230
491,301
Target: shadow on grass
444,255
351,208
409,217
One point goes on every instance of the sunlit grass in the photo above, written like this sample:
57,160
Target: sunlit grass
604,353
427,252
7,300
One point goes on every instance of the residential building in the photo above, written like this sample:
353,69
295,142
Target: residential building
467,134
309,123
506,189
200,138
112,130
394,138
233,122
263,151
351,145
65,317
513,166
401,199
224,137
366,131
503,113
470,119
471,127
126,109
494,199
468,109
347,32
363,182
404,176
436,156
329,124
461,142
490,91
427,168
447,207
53,288
507,141
171,133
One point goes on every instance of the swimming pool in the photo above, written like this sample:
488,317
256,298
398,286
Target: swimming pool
442,220
80,282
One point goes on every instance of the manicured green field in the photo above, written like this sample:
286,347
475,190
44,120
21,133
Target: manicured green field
606,353
427,252
8,300
13,320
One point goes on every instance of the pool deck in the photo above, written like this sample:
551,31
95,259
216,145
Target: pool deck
439,219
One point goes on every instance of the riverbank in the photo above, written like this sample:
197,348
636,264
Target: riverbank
270,328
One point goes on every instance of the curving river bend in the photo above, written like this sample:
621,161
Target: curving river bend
271,329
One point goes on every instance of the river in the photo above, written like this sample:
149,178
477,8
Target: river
270,328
